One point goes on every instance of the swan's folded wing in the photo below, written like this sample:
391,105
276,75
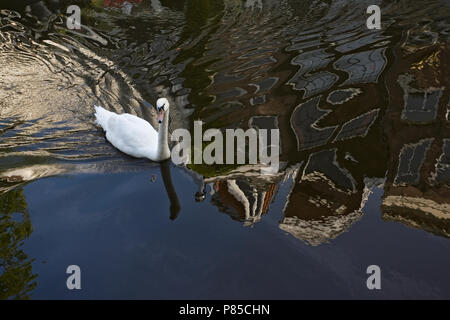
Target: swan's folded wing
131,135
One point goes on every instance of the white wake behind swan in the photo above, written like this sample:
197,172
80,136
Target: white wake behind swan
135,136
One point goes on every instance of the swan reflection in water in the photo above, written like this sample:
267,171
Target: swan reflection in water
175,206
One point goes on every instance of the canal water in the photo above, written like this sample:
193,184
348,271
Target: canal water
364,126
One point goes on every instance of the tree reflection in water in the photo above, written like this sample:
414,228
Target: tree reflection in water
17,280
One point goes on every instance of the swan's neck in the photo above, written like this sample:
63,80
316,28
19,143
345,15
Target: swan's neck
163,151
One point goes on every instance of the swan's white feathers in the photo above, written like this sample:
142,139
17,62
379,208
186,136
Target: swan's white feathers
128,133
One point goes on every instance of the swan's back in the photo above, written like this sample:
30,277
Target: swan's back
128,133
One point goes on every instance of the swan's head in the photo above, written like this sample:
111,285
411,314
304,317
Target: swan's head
162,105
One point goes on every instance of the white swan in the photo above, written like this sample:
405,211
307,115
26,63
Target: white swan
135,136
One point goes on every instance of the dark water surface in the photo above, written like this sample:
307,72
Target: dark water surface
365,150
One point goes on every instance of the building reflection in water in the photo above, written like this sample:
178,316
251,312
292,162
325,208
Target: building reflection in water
417,190
243,199
349,131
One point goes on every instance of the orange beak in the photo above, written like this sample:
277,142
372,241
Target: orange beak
160,115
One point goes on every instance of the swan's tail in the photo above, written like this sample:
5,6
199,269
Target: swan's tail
102,116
